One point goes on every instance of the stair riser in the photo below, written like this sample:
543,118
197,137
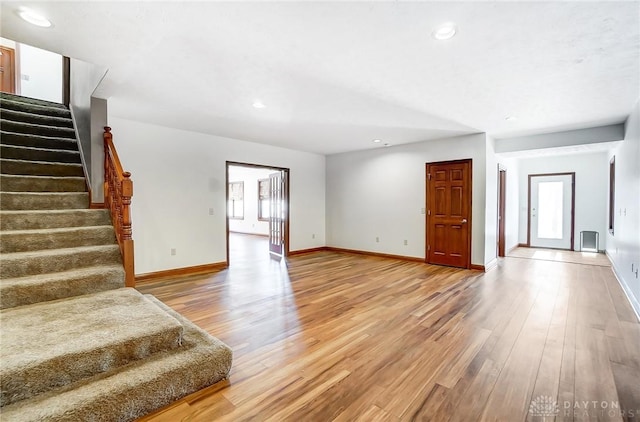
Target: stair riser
19,294
53,201
38,119
28,100
40,169
10,126
33,141
11,266
35,109
33,221
53,156
97,340
81,366
42,184
26,242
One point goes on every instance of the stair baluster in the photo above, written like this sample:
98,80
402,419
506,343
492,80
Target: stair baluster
118,190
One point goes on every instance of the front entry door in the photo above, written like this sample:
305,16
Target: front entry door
551,211
276,213
449,213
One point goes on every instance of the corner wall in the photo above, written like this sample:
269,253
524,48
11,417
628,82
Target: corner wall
623,247
381,193
178,175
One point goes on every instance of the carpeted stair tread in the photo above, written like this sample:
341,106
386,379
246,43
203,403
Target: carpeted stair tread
51,286
43,200
22,183
28,100
20,127
137,389
20,264
46,110
40,168
14,152
51,344
36,141
51,219
40,119
67,237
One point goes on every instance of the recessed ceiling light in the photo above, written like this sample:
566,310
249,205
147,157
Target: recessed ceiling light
377,141
258,104
444,31
34,18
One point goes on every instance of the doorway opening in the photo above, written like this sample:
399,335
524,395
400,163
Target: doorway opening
257,212
449,213
502,208
550,222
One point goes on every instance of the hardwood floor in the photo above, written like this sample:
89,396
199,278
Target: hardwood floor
335,336
587,258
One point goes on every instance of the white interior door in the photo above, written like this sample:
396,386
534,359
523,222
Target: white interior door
551,211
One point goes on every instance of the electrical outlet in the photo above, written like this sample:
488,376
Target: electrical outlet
173,251
313,236
24,77
210,211
377,239
406,242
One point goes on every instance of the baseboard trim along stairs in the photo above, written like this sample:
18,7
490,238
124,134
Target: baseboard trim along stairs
75,344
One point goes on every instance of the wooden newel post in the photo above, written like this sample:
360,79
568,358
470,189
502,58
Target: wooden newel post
127,241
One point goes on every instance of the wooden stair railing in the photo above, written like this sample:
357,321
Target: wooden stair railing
118,190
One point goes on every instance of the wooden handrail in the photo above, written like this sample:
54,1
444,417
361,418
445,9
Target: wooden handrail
118,190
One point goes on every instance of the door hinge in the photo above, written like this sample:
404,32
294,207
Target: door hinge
429,176
428,212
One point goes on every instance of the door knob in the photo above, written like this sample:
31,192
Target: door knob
464,221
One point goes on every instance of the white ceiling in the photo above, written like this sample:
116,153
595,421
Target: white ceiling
334,76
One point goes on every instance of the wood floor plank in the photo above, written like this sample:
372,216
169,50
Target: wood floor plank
338,336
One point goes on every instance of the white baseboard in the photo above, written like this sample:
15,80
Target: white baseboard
635,305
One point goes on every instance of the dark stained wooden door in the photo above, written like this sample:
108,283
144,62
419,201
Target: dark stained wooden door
449,213
276,213
7,70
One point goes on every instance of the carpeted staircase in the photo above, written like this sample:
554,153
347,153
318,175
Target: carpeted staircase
75,344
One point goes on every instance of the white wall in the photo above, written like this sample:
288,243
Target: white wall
178,175
250,176
381,192
592,174
624,246
84,79
44,72
5,42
